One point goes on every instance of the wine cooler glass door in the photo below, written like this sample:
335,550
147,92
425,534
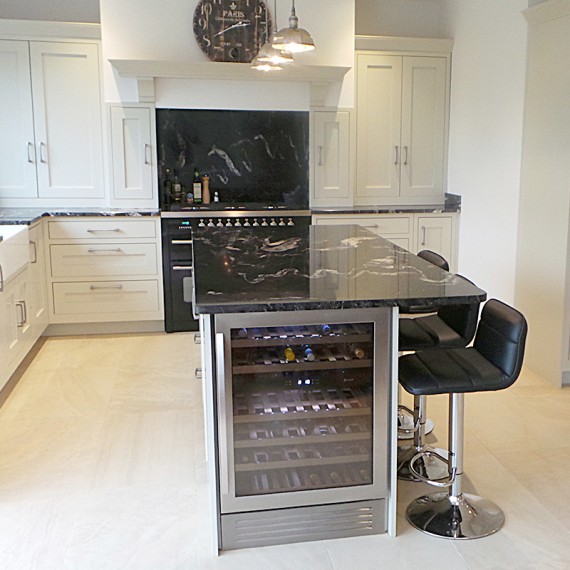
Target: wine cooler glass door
304,407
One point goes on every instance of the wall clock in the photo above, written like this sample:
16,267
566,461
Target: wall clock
231,30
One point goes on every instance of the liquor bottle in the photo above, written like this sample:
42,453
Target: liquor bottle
356,351
289,354
167,188
197,187
309,354
205,189
176,188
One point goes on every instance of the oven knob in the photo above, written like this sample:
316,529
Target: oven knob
281,222
211,223
263,222
201,224
255,223
237,223
273,222
229,224
220,223
290,222
246,224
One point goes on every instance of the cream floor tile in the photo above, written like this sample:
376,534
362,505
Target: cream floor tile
56,454
139,389
147,448
62,392
61,351
34,534
133,529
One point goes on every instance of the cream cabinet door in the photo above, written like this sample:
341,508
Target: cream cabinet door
423,126
37,294
17,145
331,158
133,153
67,112
379,94
436,233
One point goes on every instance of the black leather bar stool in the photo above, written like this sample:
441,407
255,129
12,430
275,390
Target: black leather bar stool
493,362
452,326
407,427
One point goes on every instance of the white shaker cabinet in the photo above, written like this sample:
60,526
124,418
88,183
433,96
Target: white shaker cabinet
402,106
133,155
332,158
50,102
38,312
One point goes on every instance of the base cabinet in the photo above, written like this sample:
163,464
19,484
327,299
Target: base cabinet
104,270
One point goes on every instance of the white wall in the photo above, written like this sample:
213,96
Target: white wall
52,10
487,97
163,30
404,18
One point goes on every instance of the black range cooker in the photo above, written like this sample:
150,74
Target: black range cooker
178,224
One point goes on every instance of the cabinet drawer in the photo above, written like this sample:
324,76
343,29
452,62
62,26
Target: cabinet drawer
378,224
103,259
113,298
112,228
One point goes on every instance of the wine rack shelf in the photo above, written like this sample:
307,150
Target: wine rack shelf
298,366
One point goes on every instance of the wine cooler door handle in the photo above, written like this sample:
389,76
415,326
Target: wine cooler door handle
222,427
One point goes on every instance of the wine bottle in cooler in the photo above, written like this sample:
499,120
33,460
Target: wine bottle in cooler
356,351
197,187
308,352
289,354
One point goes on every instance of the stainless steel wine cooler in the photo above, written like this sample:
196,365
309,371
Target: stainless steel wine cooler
301,421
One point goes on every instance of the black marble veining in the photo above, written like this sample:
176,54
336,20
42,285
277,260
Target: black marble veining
328,267
250,156
28,216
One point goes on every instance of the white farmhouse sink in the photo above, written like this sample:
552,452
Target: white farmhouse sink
14,251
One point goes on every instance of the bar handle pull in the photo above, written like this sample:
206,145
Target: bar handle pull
423,235
397,154
406,156
181,241
96,287
35,248
31,154
320,155
1,279
147,153
95,230
43,152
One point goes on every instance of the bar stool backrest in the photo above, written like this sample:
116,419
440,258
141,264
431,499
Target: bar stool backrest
501,338
434,258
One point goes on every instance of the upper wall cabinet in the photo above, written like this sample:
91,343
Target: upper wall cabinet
402,109
50,111
133,156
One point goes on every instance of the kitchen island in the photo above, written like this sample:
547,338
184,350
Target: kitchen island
299,356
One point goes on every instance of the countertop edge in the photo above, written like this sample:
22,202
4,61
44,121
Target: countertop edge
28,216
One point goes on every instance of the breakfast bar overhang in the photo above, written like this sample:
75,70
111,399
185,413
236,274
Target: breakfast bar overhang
299,354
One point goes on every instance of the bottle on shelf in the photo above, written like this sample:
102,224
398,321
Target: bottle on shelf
205,189
167,187
216,197
176,188
289,354
326,330
197,187
356,351
309,354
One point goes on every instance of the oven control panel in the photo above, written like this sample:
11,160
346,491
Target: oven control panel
246,222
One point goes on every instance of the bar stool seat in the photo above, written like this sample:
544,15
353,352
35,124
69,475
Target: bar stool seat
493,363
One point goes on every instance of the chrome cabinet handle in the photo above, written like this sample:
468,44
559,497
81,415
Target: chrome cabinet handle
43,147
181,268
113,250
93,231
406,159
320,155
198,374
1,279
374,226
31,148
197,338
423,235
146,153
35,258
397,154
95,287
22,307
181,241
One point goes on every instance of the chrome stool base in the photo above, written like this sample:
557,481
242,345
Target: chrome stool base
407,423
462,517
430,467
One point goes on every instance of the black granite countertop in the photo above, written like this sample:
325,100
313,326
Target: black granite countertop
452,204
28,216
329,267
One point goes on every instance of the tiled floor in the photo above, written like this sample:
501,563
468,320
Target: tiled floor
102,467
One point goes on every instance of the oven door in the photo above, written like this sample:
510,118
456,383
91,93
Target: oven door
181,297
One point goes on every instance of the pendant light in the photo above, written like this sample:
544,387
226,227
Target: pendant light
269,58
293,39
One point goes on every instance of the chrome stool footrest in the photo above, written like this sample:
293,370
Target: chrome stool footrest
434,468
